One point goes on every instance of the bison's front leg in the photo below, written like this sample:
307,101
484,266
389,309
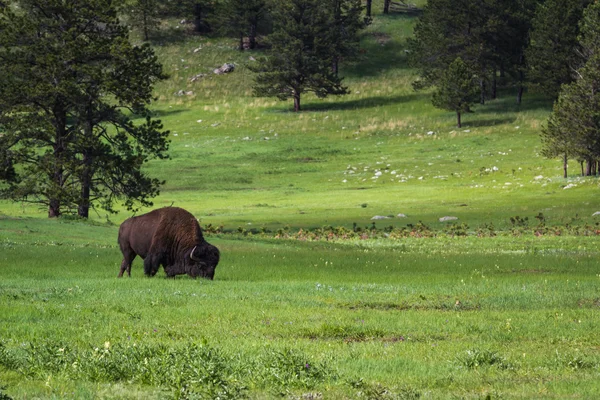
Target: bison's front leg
151,264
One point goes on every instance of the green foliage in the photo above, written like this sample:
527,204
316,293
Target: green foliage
552,54
299,60
144,15
476,358
242,18
456,89
67,120
573,129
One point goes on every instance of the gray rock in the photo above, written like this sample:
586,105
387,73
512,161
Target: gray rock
444,219
596,214
196,77
181,93
224,69
378,217
401,215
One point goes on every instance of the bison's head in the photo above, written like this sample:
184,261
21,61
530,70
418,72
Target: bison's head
206,257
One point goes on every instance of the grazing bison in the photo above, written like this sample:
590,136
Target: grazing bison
170,237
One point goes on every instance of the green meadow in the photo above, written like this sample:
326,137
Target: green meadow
497,304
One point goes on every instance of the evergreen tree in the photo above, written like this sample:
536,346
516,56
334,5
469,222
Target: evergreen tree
488,35
573,129
69,72
456,90
552,55
242,18
144,15
347,22
300,56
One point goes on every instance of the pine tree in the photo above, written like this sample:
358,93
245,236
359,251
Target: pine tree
69,73
242,18
300,56
456,90
348,21
552,55
573,129
144,15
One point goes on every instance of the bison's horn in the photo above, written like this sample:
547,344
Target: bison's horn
198,260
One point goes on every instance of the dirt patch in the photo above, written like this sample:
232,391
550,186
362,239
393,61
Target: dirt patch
589,303
418,305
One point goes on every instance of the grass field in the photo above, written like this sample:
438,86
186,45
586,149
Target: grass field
454,314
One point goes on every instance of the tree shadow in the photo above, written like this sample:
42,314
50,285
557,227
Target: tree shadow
166,113
485,123
169,36
368,102
377,56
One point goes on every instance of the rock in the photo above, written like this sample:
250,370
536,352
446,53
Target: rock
537,178
224,69
444,219
197,49
569,186
378,217
199,121
189,93
251,58
596,214
401,215
181,93
431,133
196,77
183,22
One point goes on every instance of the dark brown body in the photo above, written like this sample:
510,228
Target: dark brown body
170,237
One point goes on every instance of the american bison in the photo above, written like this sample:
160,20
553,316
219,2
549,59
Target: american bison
170,237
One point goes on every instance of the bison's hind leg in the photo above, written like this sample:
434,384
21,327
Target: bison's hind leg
128,256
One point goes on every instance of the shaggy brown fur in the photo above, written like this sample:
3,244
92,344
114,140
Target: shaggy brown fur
167,237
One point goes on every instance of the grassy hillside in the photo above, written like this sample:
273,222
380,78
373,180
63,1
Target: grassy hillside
444,316
239,160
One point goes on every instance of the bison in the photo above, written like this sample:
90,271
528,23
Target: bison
170,237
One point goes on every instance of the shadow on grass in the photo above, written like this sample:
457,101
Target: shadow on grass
368,102
166,113
169,36
483,123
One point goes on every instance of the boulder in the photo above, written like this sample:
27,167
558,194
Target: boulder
224,69
378,217
447,218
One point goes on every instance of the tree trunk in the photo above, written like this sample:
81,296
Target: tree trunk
369,3
565,165
494,85
83,208
59,149
386,6
335,66
582,170
521,87
296,101
199,25
458,119
588,167
252,35
482,91
54,208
